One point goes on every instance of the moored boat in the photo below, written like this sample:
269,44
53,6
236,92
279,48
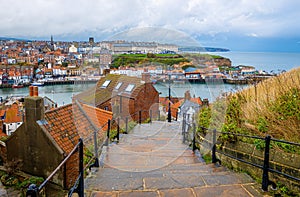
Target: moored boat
37,83
17,85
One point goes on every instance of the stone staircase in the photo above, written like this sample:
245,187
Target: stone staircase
152,161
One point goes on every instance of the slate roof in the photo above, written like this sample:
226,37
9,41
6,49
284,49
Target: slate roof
99,94
196,101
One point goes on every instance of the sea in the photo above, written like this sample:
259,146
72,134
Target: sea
269,62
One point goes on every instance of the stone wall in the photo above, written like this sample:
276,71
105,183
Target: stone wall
2,153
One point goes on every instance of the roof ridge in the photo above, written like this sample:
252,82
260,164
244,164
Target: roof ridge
58,108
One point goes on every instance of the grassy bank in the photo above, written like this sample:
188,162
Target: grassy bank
270,107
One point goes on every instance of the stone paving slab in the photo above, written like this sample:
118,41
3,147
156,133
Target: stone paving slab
224,191
152,161
172,182
177,192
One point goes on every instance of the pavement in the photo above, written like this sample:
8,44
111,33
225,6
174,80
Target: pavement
152,161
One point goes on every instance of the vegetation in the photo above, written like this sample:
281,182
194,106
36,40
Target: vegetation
271,107
140,59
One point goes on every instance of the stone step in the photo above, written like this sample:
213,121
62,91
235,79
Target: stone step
113,179
152,161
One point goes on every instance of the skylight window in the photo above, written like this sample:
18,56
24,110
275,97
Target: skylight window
118,85
129,88
105,84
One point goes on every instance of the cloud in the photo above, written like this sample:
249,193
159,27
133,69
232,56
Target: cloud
102,18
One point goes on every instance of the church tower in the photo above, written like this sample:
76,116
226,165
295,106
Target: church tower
52,44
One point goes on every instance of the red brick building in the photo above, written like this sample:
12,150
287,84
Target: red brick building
124,96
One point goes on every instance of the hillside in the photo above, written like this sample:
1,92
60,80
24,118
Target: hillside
168,59
269,107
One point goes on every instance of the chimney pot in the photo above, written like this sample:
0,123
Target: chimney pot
35,91
30,90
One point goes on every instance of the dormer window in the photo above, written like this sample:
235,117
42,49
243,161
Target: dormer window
129,88
105,84
118,86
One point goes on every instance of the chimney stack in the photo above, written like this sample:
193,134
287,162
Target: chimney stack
34,106
205,102
187,95
146,77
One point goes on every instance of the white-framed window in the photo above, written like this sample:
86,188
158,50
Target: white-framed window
129,88
106,83
118,85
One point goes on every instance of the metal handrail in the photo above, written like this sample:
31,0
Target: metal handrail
265,167
33,190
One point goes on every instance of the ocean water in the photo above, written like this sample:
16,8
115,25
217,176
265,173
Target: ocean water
267,61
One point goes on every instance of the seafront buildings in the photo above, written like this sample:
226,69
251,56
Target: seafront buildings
26,61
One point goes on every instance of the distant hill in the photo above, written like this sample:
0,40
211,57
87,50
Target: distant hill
202,49
16,39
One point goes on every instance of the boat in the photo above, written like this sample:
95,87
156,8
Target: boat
17,85
37,83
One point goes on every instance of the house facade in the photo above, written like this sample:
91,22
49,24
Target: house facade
124,96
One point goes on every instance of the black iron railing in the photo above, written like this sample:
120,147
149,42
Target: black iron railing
78,187
189,135
98,142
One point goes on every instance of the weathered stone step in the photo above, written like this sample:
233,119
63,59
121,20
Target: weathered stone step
113,179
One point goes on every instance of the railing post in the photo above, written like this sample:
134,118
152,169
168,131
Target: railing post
81,170
150,116
32,191
265,178
183,127
108,130
140,117
96,164
126,125
158,115
214,141
194,137
118,129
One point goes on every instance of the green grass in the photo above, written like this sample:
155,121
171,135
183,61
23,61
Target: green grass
141,59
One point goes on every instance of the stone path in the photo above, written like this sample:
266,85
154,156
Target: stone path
152,161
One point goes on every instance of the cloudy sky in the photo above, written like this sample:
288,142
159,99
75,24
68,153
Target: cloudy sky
246,25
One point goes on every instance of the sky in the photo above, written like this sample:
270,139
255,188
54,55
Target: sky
239,25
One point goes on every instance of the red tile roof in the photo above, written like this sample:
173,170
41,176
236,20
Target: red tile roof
61,126
68,123
99,116
2,112
12,115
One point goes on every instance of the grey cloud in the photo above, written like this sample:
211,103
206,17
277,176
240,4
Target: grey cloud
38,18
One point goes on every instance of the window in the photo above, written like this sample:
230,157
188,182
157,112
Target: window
105,84
106,108
129,88
118,85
